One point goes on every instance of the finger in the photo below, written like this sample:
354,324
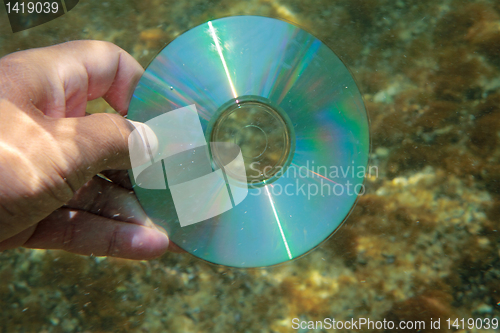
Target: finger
103,198
100,197
58,80
95,143
18,239
90,144
84,233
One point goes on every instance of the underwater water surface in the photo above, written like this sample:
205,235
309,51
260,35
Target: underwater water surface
421,243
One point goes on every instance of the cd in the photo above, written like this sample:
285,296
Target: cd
262,141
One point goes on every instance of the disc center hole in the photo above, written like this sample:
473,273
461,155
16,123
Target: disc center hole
255,135
262,133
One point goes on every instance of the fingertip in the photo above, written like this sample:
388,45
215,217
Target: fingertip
127,75
146,244
84,233
172,247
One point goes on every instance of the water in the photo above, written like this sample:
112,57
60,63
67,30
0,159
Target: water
422,242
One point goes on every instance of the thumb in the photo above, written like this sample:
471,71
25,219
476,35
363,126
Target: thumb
89,145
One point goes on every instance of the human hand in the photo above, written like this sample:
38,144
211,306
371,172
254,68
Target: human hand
50,153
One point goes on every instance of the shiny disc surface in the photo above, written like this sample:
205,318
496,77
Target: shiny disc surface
311,123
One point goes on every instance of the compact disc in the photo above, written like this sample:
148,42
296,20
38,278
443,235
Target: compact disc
295,118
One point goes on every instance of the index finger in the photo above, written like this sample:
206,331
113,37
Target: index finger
60,79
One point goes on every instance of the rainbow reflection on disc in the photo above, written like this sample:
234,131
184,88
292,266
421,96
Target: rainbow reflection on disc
296,113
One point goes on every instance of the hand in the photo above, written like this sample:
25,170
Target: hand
50,153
